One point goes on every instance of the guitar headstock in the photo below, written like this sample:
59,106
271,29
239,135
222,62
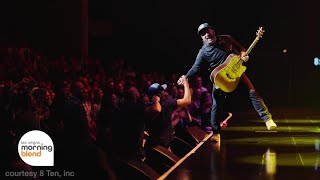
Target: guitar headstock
260,32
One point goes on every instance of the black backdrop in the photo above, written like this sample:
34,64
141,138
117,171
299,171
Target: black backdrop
164,35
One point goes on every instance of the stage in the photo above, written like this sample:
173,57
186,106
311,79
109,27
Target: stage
248,151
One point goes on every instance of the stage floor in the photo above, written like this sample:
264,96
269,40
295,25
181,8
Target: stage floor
247,150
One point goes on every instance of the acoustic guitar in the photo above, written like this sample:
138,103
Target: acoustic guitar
227,75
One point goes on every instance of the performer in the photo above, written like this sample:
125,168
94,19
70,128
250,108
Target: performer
214,52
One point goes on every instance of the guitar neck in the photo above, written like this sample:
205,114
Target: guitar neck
252,45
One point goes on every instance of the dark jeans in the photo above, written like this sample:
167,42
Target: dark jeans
218,102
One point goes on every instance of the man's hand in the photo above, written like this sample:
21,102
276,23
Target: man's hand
182,80
244,56
155,98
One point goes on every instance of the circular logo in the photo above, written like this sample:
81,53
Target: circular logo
36,148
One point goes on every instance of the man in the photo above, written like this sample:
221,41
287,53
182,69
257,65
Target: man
160,128
214,52
129,126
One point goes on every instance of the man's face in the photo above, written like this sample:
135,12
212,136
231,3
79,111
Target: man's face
208,36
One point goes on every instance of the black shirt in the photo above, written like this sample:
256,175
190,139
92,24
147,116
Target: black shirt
216,54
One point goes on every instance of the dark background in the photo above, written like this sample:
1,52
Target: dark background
162,36
52,26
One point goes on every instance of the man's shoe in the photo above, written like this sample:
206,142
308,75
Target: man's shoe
215,138
270,124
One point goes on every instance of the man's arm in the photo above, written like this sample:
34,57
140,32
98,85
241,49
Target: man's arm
186,100
231,44
197,64
234,46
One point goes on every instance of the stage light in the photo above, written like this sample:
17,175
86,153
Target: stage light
317,61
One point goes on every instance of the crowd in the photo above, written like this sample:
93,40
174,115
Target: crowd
94,109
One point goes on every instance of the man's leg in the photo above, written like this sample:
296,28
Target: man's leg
216,113
258,103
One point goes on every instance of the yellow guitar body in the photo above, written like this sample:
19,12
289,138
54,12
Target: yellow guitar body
227,75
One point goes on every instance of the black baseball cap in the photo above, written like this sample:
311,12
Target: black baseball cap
155,88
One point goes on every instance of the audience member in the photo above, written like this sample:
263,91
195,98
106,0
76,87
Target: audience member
160,128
